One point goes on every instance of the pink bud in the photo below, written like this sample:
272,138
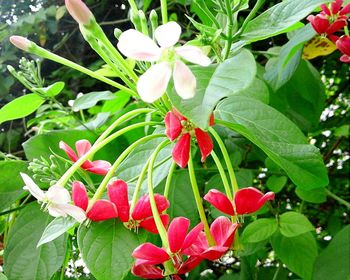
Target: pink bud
79,11
20,42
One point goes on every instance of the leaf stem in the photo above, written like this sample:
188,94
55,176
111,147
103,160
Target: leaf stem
222,175
169,178
229,33
337,198
199,204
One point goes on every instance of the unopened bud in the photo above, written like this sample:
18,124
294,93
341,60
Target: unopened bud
20,42
135,19
79,11
117,33
153,17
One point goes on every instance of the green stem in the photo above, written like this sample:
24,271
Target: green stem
64,179
35,49
169,178
199,204
229,33
12,210
337,198
102,187
156,215
133,5
164,10
229,166
222,175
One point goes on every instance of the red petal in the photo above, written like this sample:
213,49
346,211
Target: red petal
173,126
345,58
177,233
336,6
189,264
192,236
220,201
343,44
204,142
249,200
214,253
178,115
211,120
345,10
336,25
100,167
102,210
143,206
223,230
82,147
198,246
181,150
79,195
118,194
68,150
319,22
147,271
325,9
149,224
150,253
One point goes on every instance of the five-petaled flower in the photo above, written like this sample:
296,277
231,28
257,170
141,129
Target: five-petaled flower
246,201
153,83
57,200
343,44
148,256
141,215
179,127
100,167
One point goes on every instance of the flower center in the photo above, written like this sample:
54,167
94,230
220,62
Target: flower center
187,126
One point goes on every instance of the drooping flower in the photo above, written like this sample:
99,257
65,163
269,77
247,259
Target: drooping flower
246,201
343,44
100,167
101,210
148,255
57,200
153,83
141,215
223,232
178,127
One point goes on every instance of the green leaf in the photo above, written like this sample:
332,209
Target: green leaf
333,262
20,107
51,90
297,253
317,195
106,248
229,78
293,224
11,183
281,18
276,183
22,260
90,99
121,99
277,136
3,276
56,228
257,90
259,230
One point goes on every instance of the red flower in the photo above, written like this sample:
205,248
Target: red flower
343,44
335,8
100,167
142,215
177,126
148,255
101,210
223,232
246,200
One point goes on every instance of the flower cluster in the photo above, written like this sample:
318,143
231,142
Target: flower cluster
332,19
180,129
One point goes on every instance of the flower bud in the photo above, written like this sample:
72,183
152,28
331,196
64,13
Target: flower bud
117,33
20,42
79,11
153,17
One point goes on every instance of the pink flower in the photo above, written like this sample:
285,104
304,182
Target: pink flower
246,201
179,127
153,83
100,167
336,8
20,42
79,11
142,215
148,255
343,44
101,210
223,232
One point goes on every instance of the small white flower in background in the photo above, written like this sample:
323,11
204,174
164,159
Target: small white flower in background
153,83
57,199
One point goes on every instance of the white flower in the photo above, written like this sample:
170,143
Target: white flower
57,199
154,82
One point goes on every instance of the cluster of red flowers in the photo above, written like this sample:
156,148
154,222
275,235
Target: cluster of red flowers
332,19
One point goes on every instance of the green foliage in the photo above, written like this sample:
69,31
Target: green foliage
259,230
293,224
90,99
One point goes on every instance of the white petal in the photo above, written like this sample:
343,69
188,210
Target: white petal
152,84
193,54
73,211
55,211
168,34
184,81
138,46
58,194
32,187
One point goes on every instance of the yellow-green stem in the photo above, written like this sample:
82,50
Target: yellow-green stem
199,204
222,175
164,10
169,178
